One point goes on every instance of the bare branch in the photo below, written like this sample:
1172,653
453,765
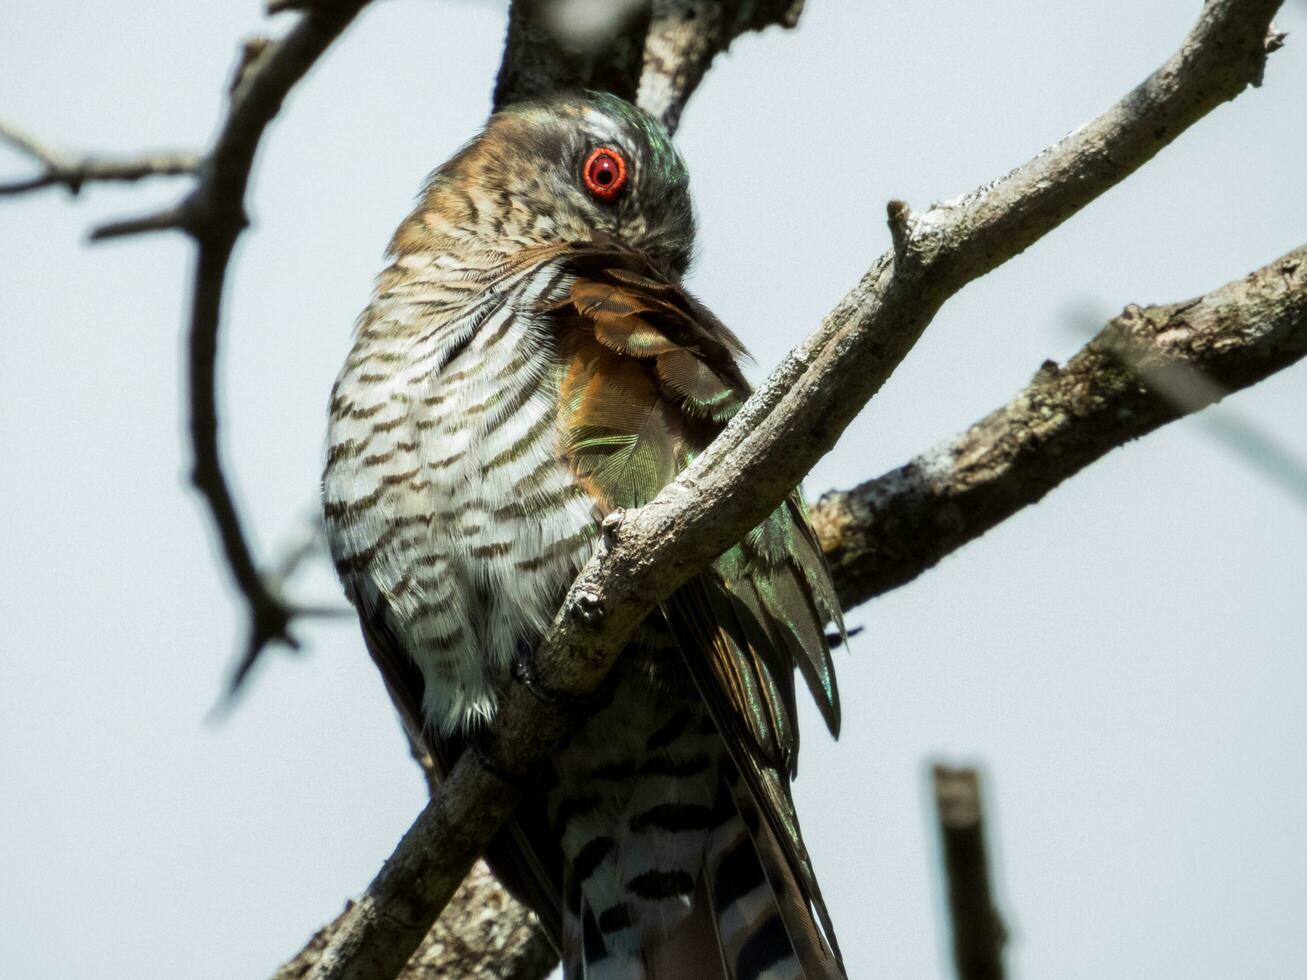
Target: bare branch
978,932
310,541
684,38
777,436
1146,367
483,934
541,57
59,169
170,219
214,216
652,53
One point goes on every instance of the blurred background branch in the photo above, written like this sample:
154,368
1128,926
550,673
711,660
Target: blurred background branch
978,931
60,169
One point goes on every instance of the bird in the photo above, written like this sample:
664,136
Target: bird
531,362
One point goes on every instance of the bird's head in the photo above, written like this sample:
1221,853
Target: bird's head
583,166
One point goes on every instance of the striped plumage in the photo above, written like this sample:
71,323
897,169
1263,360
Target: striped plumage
529,363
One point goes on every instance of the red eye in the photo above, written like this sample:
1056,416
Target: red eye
604,173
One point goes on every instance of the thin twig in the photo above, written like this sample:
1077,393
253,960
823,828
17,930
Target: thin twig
777,436
171,219
61,170
309,543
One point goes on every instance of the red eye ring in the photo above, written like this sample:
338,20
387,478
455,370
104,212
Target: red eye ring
604,173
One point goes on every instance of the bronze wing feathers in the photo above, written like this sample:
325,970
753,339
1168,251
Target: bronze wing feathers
651,377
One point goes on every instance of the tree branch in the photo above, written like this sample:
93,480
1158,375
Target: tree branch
214,216
60,169
654,53
978,932
1147,367
686,36
548,51
784,428
484,934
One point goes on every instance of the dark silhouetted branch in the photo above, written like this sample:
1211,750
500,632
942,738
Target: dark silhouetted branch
978,933
654,54
549,51
213,214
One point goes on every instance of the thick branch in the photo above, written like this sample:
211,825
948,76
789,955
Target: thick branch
1145,368
547,51
652,53
483,934
684,38
778,435
978,933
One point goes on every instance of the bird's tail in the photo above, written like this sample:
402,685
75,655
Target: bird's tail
765,927
749,919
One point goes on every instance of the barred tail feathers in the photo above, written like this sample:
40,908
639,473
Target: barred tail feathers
749,919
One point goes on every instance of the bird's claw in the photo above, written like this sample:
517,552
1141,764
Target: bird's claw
524,673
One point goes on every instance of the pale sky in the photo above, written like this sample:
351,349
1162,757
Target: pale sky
1125,659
